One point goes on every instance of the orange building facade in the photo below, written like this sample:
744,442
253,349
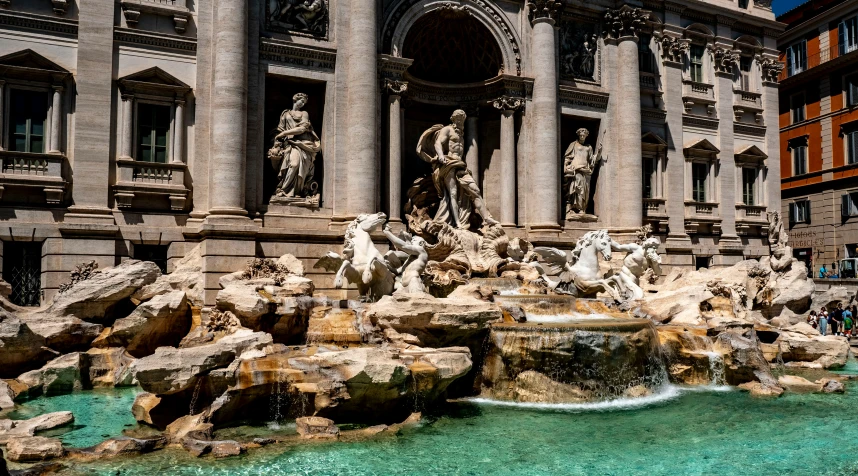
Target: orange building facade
819,130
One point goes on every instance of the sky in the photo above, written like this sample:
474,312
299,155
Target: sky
780,6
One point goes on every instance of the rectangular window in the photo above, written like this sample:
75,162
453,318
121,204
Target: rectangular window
796,56
699,177
745,64
799,211
749,186
645,56
799,159
848,35
849,204
796,107
27,120
153,129
852,147
696,54
22,269
852,90
649,177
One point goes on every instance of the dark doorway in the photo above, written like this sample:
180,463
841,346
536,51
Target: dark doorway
805,255
569,126
22,268
154,253
701,262
279,92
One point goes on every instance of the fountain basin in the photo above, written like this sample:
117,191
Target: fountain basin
576,361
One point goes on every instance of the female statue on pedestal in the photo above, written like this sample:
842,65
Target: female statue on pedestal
578,166
294,154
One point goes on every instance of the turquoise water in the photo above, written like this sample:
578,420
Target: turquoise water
682,432
98,414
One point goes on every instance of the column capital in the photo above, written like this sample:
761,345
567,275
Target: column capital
771,70
625,22
508,103
394,87
725,59
544,11
673,49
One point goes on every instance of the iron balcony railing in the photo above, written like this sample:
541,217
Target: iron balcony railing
816,59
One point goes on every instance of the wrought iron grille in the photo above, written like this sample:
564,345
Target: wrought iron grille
22,268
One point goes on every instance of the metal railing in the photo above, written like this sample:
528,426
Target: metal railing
816,59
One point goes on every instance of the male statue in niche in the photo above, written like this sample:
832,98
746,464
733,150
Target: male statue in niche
442,146
578,165
293,154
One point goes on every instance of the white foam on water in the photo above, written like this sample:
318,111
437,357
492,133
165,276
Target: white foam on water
666,393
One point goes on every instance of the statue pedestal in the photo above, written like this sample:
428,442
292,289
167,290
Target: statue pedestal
581,218
303,202
296,215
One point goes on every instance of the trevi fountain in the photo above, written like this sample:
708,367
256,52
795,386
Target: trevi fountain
463,351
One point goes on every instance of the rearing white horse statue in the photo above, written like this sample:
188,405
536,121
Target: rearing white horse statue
577,272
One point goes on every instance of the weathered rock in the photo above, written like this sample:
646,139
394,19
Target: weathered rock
677,307
124,445
177,431
832,386
791,290
831,297
96,298
143,404
226,448
743,360
261,305
110,367
333,326
291,265
822,351
436,322
187,276
7,396
160,321
10,429
34,448
625,353
21,349
63,333
247,303
689,354
355,384
317,428
64,374
796,384
757,389
170,370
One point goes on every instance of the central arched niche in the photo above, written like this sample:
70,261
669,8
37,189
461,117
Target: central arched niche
452,47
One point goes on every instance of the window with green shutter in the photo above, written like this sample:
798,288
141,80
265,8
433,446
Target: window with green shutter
27,118
699,177
749,185
153,130
696,55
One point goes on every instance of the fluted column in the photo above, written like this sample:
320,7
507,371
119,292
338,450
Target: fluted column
362,107
624,25
127,126
229,108
508,106
179,133
395,89
56,120
472,151
544,171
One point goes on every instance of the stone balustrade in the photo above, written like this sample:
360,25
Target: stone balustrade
44,171
148,178
178,9
698,93
702,217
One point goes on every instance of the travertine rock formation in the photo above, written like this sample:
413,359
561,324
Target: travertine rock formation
160,321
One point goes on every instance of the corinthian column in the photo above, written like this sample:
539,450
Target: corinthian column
508,106
544,170
229,108
394,89
623,26
362,107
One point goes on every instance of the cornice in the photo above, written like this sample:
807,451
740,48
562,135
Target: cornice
160,40
39,22
581,97
301,56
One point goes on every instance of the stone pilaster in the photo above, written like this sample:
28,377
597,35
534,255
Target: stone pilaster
771,70
229,109
127,126
395,90
362,170
179,133
56,120
623,26
508,107
544,171
672,51
93,125
725,182
472,150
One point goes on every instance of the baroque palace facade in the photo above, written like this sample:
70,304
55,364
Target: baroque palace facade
254,128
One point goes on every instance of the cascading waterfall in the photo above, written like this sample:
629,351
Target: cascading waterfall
195,396
277,398
716,368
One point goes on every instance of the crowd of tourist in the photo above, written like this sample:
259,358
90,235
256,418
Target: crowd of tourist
838,322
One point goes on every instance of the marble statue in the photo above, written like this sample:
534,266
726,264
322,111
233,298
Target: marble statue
443,147
781,254
641,259
300,15
416,259
578,47
578,165
361,263
577,272
293,155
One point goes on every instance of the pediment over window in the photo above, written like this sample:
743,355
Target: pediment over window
752,154
800,141
153,81
652,143
31,66
701,148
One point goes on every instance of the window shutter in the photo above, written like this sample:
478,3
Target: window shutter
807,211
844,205
789,59
841,37
792,213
